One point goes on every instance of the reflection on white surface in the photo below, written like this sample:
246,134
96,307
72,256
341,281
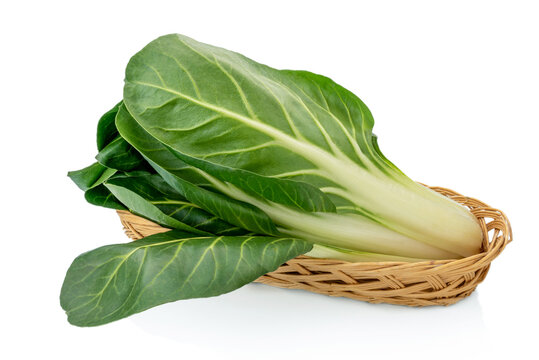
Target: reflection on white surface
279,320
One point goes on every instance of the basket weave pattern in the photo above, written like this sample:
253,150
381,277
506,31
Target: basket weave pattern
436,282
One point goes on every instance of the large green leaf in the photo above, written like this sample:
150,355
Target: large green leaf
115,281
155,190
119,155
91,176
301,196
248,129
183,178
101,196
344,105
106,130
143,207
210,104
261,119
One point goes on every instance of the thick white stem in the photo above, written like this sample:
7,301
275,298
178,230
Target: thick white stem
403,205
325,252
415,221
410,208
341,230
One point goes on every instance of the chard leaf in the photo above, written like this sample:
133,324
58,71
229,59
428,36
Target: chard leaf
115,281
140,206
101,196
182,178
294,194
156,191
342,104
91,176
216,105
106,130
119,155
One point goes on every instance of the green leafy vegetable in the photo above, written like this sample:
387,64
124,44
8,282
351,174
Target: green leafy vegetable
248,166
214,105
115,281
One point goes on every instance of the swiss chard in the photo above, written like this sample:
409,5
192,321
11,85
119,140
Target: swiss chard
210,104
218,147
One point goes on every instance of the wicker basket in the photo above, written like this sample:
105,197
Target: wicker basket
436,282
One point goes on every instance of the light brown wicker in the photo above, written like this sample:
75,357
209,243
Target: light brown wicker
437,282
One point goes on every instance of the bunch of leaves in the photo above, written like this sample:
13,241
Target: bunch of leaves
248,166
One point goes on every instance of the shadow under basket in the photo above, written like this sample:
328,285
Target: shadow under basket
436,282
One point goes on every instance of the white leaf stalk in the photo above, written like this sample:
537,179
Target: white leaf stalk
410,221
331,252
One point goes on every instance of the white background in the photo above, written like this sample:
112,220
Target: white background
454,89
